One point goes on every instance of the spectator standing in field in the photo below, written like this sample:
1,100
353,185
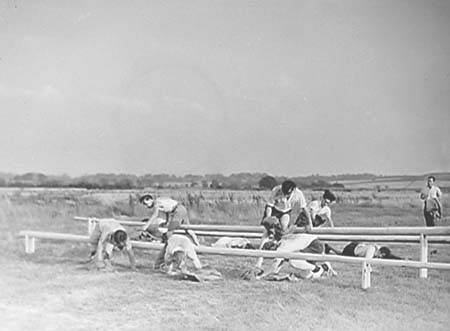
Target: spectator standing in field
277,220
174,214
431,196
319,211
107,235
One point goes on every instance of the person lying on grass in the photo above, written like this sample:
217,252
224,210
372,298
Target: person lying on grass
359,249
306,269
236,242
174,213
108,235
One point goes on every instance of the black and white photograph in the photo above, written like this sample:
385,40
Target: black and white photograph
224,165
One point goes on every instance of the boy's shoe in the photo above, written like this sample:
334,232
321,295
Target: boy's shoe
315,274
329,269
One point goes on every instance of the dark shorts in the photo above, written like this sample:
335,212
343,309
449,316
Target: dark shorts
318,221
275,213
301,220
349,249
431,211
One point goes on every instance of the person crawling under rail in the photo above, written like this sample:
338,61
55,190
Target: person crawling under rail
294,243
359,249
179,249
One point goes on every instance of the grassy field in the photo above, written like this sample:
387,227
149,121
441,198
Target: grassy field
54,289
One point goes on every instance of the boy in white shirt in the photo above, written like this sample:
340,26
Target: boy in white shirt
174,213
107,235
179,248
320,211
296,243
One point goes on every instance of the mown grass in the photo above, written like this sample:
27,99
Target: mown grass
54,289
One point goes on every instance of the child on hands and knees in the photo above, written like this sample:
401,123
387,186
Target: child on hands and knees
107,235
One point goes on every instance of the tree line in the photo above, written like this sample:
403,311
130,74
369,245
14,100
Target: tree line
238,181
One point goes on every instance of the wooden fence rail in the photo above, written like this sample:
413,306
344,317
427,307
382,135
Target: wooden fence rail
31,236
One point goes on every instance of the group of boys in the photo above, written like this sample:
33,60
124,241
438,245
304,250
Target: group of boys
109,234
277,221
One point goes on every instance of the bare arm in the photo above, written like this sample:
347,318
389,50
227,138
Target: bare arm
131,256
331,222
100,245
193,236
274,268
265,236
423,194
308,218
193,256
152,218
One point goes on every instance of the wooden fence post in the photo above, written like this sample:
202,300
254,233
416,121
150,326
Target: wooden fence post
91,226
366,269
30,244
423,272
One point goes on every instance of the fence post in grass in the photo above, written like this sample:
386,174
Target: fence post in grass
423,272
91,226
30,244
366,269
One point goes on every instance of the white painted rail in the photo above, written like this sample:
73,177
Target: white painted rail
31,236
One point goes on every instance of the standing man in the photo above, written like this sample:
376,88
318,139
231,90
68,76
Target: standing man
174,214
431,196
107,235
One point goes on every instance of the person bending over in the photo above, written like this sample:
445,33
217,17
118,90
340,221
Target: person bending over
174,214
109,234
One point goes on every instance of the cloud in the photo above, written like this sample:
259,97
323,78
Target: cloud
45,92
122,102
184,103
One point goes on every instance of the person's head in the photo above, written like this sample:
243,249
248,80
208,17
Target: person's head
249,246
385,253
328,197
270,245
430,180
119,238
287,187
147,200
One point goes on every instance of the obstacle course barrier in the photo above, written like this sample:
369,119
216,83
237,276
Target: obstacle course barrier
31,236
397,235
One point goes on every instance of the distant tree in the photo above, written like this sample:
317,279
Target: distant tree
215,184
267,183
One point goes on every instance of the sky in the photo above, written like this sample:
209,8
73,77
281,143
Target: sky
195,87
